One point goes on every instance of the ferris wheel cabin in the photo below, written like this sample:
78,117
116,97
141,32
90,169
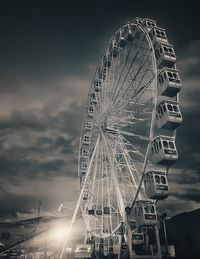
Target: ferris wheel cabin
114,49
168,115
145,213
163,151
137,238
165,55
138,21
169,83
148,24
93,98
120,37
88,124
107,60
85,196
97,83
82,179
84,152
86,139
128,32
90,111
84,167
99,212
156,185
102,72
157,35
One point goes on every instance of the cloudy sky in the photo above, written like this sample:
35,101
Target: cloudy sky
48,54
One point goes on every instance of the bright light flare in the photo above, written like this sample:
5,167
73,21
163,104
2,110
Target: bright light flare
59,234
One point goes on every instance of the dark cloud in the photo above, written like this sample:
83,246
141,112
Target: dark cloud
44,140
185,176
12,167
20,119
188,195
188,140
68,121
22,204
61,141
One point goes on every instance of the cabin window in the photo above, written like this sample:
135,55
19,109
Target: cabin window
90,109
164,108
162,33
163,179
158,32
97,82
169,74
86,137
165,144
157,179
152,209
169,107
165,76
160,145
84,151
175,108
157,149
171,50
84,166
146,209
165,49
152,150
161,50
171,145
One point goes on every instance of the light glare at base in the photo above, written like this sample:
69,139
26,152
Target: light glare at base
59,234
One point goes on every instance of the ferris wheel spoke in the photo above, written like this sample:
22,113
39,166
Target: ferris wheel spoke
134,173
125,171
116,93
125,88
123,132
121,98
120,71
133,101
114,178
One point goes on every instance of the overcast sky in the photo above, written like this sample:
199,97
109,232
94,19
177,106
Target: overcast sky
48,54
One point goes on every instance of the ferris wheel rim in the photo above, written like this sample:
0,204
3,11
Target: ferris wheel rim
153,112
155,76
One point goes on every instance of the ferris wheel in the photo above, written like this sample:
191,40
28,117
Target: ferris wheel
127,141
